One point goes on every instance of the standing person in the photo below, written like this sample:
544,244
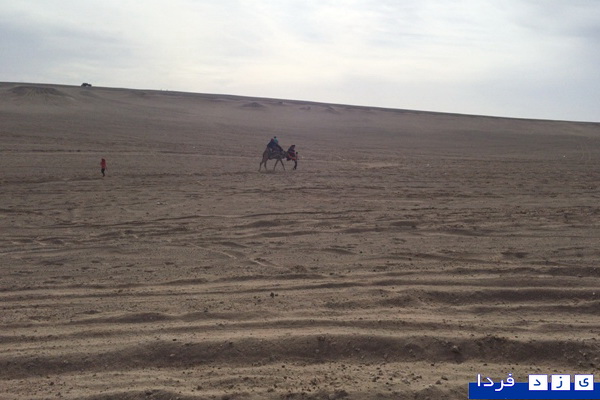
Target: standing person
103,166
293,155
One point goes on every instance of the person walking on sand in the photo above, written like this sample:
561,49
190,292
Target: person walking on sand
103,166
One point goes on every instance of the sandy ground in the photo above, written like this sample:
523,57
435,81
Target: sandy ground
409,251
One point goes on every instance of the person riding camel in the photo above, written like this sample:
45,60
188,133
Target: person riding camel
274,144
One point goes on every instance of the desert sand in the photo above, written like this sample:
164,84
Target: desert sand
409,252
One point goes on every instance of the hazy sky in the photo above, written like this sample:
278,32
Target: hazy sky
519,58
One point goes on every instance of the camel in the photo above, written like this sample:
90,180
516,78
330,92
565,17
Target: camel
277,155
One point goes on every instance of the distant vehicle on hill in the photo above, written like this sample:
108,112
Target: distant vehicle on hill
84,84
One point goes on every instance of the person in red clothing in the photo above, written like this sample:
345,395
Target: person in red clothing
291,153
103,166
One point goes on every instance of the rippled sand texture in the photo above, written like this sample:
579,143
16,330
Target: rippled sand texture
409,251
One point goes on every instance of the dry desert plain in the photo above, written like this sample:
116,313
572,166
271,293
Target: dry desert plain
409,252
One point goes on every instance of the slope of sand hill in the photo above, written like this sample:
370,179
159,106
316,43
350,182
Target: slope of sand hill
409,251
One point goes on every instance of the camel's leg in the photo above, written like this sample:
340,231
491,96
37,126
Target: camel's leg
279,160
265,158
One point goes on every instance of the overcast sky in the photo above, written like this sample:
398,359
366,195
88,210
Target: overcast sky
517,58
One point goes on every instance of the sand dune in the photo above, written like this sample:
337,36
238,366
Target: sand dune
409,251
